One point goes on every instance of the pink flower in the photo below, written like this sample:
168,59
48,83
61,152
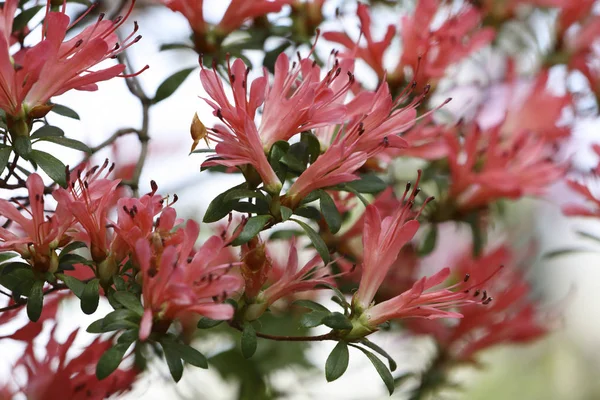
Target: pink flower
584,192
382,241
88,200
58,376
40,235
174,287
238,12
485,169
52,66
513,316
293,280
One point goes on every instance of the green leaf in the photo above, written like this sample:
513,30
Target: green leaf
4,157
24,17
121,318
175,46
200,151
292,163
173,360
170,85
308,212
337,362
368,183
219,208
96,326
316,240
477,233
128,337
66,142
76,286
110,360
337,321
48,131
311,305
382,370
249,342
7,256
90,297
71,247
286,213
314,146
130,301
238,194
18,277
64,111
271,55
35,301
187,353
588,236
429,242
285,234
330,212
381,351
51,165
564,252
252,228
22,146
207,323
313,319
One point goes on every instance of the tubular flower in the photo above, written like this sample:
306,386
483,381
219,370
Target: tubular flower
41,235
174,287
87,200
52,67
238,12
56,376
484,169
293,280
513,317
426,51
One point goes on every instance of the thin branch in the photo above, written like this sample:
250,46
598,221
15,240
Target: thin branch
23,301
319,338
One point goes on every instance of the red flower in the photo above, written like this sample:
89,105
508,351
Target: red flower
512,317
40,235
52,66
584,191
173,287
55,376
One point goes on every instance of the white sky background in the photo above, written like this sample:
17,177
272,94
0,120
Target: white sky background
113,107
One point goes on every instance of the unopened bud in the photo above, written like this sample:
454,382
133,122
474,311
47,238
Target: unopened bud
198,131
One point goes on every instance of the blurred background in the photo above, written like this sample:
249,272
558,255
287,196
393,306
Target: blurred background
564,365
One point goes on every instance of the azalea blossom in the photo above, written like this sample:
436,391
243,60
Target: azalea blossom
173,287
293,280
57,376
40,235
33,75
425,50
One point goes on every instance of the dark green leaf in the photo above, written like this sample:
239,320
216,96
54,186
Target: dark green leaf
308,212
337,362
110,360
120,319
311,305
170,85
588,236
130,301
71,247
429,242
24,17
330,212
64,111
96,326
238,194
48,131
271,55
477,233
316,240
22,146
381,351
90,297
175,46
51,166
284,234
128,337
292,163
66,142
564,252
314,146
187,353
368,183
7,256
200,151
337,321
76,286
18,277
315,318
173,360
219,208
207,323
382,370
35,301
4,157
252,227
286,213
249,342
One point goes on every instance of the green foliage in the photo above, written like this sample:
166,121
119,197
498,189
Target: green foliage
35,301
330,212
90,296
64,111
51,165
248,341
337,362
170,85
251,228
316,240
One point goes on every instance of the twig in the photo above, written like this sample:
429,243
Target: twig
23,301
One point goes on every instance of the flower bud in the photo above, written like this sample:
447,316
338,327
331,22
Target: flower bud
198,132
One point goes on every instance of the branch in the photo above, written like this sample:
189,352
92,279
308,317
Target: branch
23,301
328,336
